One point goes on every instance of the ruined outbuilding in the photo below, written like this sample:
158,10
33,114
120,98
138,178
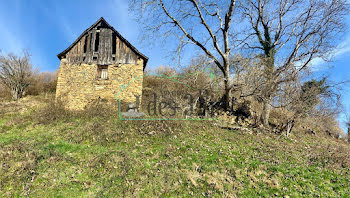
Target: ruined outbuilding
94,67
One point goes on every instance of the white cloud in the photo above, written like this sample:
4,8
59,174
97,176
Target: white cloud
318,64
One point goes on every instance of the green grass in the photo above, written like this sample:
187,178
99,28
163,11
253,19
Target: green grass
81,157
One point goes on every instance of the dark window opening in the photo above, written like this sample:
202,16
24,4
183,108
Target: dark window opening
97,41
94,58
113,58
85,43
102,72
114,44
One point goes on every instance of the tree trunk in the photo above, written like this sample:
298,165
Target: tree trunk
227,96
269,86
227,88
17,93
265,115
14,93
290,125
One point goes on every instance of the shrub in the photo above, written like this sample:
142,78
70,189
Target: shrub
56,111
44,82
4,93
170,85
53,111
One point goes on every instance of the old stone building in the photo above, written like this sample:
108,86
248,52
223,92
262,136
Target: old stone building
96,65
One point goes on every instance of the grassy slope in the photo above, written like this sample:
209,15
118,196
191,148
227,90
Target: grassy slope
104,157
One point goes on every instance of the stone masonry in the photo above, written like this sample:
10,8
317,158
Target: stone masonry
99,65
77,85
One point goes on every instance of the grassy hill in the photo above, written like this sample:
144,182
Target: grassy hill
44,155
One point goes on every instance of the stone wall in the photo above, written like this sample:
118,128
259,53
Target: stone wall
78,85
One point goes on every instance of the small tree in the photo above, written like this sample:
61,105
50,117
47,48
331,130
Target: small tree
348,134
310,94
15,73
290,34
347,123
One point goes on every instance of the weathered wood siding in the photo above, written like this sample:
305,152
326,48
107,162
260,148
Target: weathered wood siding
101,46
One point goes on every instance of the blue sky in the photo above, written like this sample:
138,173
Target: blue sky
47,27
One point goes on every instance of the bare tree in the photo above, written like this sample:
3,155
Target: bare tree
15,73
313,99
290,34
348,133
204,24
347,123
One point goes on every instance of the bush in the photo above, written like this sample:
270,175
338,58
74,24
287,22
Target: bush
52,112
56,111
44,82
4,93
172,86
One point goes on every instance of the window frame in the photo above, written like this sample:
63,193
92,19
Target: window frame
100,70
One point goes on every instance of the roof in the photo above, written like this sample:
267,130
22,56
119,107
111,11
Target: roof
115,31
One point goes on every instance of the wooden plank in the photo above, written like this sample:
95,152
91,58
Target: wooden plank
101,47
109,46
76,53
88,49
79,51
104,47
93,44
122,53
127,52
82,48
117,50
106,55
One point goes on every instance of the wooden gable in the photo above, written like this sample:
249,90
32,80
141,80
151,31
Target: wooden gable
101,44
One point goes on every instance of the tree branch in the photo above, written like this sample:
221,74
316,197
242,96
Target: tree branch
209,54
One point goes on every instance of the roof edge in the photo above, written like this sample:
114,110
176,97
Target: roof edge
115,31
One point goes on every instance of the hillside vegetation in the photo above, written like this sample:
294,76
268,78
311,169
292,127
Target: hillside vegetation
48,152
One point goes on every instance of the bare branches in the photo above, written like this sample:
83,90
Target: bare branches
291,33
287,34
228,20
198,21
15,73
213,37
294,25
189,36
